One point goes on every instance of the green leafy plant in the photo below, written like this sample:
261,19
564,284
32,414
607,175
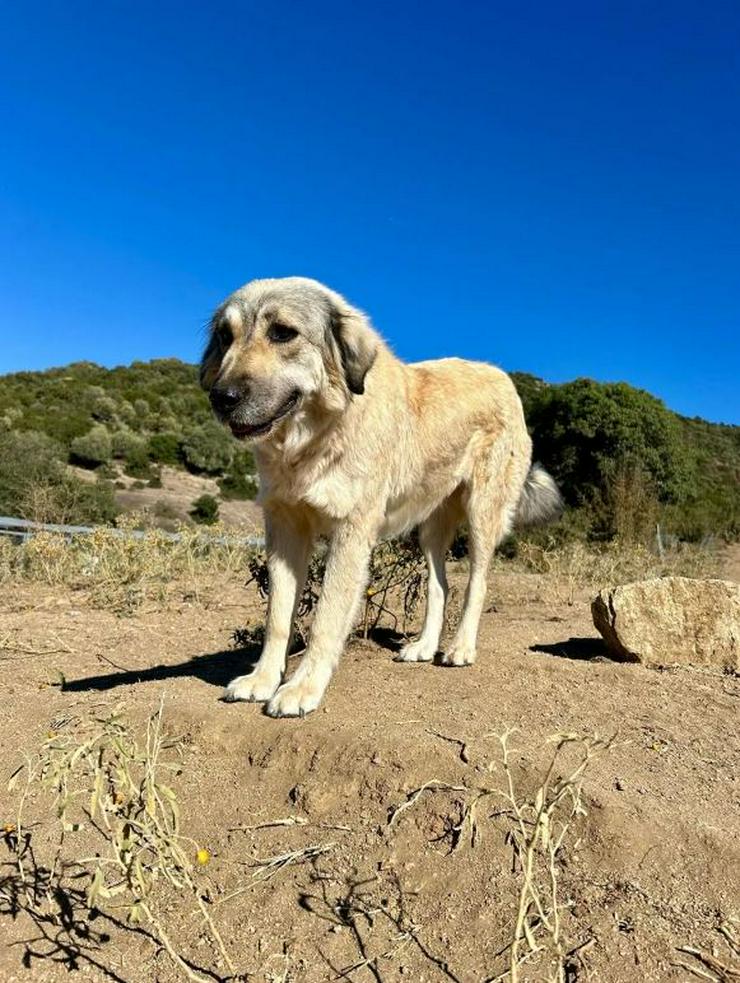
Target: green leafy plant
205,510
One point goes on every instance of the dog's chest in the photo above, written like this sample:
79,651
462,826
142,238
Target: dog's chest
329,491
404,512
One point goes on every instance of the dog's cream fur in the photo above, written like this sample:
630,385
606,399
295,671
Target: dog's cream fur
372,448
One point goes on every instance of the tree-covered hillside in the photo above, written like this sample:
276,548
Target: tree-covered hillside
600,440
131,419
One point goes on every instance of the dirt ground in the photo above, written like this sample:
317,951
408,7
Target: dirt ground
172,502
654,865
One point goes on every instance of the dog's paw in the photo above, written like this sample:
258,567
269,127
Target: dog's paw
458,655
295,698
418,651
257,687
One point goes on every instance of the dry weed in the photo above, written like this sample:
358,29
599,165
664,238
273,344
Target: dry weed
395,581
539,826
121,571
710,965
572,566
113,795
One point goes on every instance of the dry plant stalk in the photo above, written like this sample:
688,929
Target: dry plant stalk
540,825
575,565
709,966
115,790
121,572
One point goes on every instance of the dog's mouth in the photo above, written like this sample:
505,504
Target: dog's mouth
247,432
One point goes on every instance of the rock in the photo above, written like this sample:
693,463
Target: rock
672,620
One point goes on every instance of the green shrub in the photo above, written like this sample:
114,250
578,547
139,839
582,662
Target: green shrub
137,463
587,432
165,448
123,442
205,510
27,460
208,449
93,448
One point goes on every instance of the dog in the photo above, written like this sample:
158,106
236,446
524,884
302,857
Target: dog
354,445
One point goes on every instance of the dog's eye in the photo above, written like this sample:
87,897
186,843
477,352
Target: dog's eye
224,335
281,333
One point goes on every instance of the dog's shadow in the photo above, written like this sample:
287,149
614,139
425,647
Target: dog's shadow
215,668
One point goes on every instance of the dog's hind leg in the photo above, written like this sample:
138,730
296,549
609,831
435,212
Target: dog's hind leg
435,536
289,543
493,490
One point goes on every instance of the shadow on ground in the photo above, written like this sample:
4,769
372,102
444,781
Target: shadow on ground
216,668
581,649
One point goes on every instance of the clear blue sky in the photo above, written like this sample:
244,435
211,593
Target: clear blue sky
554,187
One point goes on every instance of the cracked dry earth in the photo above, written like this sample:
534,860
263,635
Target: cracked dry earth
654,865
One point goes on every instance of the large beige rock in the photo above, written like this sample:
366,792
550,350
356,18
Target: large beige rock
672,620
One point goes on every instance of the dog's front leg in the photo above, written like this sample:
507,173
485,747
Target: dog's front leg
344,580
289,543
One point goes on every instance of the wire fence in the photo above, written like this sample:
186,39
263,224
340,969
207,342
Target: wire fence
21,530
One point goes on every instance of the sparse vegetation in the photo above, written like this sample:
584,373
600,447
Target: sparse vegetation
118,826
573,565
121,571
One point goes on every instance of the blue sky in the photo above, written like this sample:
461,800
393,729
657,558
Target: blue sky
554,187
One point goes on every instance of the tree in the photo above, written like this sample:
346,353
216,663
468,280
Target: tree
208,449
92,449
586,432
165,448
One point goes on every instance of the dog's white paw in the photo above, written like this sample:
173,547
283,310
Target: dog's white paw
295,698
418,651
257,687
458,654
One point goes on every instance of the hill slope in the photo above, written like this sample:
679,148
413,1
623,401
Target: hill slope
135,419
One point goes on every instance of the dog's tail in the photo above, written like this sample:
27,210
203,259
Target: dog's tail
541,500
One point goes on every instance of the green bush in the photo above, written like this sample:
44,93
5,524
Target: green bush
240,481
93,448
587,432
205,510
165,448
27,459
123,442
35,484
208,449
237,487
137,463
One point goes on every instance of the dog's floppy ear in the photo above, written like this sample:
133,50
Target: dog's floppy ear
356,341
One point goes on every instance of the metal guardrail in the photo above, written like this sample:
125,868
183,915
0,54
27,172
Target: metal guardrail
21,530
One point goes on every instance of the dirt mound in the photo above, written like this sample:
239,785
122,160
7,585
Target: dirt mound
651,867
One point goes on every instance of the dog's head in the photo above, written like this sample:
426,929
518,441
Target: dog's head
276,345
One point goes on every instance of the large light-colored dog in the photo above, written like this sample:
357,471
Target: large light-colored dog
354,445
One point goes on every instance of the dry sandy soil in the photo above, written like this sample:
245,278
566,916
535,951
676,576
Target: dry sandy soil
178,492
654,865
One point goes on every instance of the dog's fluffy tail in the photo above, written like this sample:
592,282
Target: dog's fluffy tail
541,500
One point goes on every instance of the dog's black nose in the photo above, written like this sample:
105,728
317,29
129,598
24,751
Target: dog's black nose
225,398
